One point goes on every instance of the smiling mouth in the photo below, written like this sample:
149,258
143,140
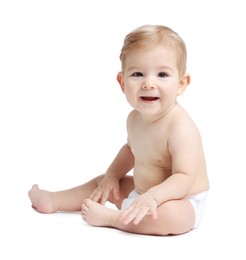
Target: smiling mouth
144,98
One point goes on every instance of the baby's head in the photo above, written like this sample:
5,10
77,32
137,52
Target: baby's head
151,36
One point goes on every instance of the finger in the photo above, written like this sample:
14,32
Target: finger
154,213
97,196
126,211
104,197
92,194
128,218
140,215
129,215
116,193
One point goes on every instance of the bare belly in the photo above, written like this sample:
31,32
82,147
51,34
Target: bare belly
147,177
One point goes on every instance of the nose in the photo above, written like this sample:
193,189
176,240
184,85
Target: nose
149,85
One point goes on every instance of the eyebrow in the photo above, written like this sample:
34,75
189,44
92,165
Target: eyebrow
165,68
133,68
159,68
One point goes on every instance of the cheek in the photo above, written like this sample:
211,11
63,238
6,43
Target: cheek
129,91
169,90
131,95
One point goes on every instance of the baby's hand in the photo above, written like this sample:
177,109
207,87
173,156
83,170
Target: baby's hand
144,205
104,188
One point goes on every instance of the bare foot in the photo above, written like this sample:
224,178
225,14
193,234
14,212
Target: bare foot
96,214
41,200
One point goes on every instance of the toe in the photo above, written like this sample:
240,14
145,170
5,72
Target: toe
35,186
87,203
84,207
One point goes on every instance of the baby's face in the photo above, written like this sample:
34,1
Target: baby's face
151,80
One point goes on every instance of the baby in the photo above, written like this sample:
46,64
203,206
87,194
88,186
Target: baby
167,191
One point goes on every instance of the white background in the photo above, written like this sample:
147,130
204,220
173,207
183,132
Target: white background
62,120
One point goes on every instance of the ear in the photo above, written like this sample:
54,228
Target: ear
121,81
183,84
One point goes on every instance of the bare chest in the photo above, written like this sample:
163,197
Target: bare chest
150,146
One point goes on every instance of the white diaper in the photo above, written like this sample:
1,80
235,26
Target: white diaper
128,201
198,202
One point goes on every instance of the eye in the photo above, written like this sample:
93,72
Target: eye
137,74
162,74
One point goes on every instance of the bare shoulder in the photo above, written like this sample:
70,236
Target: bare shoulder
134,113
182,125
133,116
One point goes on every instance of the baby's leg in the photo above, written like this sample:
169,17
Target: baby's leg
67,200
41,200
174,217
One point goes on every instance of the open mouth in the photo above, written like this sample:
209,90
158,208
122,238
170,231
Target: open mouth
145,98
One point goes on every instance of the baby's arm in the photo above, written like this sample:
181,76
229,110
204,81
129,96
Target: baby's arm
186,150
121,165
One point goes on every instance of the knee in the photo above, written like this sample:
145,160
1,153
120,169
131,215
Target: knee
177,219
170,213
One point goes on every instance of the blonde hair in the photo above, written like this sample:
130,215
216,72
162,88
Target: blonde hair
149,36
